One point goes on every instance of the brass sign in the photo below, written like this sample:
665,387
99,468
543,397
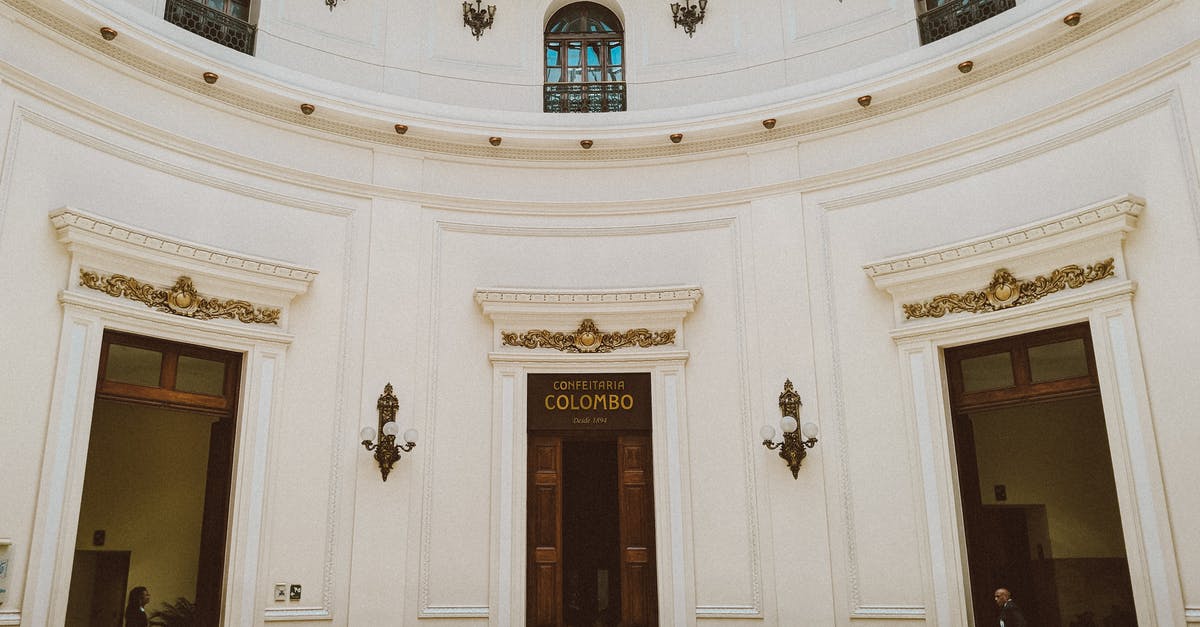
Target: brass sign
589,401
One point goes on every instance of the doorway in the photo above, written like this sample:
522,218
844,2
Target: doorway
590,510
1036,481
157,480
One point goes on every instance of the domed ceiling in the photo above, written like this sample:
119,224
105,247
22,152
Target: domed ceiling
473,79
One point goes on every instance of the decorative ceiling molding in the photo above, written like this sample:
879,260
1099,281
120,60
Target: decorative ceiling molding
371,127
1006,291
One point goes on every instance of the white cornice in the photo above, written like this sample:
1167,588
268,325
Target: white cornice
1111,215
107,247
511,301
75,227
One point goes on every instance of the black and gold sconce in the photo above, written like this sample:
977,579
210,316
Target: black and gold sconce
478,18
792,448
688,15
387,452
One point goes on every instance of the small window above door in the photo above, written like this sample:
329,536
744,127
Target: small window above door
147,370
1057,362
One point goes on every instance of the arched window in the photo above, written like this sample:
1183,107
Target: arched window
585,60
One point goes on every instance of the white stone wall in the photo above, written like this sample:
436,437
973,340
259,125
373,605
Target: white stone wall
774,228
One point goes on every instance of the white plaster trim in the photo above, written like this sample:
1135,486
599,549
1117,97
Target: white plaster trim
79,228
507,400
845,485
1192,615
1118,213
1157,548
279,614
675,481
12,141
250,497
488,297
1126,83
454,611
48,575
10,617
224,160
534,357
928,452
1187,155
425,527
890,612
727,611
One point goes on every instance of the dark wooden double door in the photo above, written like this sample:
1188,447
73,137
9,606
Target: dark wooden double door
591,531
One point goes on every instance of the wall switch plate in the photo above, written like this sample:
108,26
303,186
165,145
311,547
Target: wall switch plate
281,592
294,592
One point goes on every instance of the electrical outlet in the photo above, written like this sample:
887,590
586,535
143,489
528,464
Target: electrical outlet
294,592
281,592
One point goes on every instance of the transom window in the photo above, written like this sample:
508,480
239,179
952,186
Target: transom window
584,60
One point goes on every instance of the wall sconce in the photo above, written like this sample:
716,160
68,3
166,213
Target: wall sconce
387,452
478,18
792,446
688,15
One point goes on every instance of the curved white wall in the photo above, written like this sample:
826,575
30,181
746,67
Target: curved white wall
774,226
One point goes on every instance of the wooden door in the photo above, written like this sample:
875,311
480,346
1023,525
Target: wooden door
639,586
544,603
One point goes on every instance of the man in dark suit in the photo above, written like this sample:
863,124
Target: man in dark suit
1010,614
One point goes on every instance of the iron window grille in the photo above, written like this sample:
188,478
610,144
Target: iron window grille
226,25
946,17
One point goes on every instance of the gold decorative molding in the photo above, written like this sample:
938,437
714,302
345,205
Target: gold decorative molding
181,299
587,339
1006,291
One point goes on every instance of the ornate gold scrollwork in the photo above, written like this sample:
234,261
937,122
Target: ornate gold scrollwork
181,300
1006,291
587,339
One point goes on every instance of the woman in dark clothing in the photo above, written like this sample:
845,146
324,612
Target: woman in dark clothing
135,609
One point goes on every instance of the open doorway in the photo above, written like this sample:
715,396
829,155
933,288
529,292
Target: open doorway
1036,482
156,487
590,510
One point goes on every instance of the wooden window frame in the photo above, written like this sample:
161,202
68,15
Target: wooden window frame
564,39
1024,389
166,394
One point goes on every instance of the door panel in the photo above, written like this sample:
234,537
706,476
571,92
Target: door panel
545,532
639,589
